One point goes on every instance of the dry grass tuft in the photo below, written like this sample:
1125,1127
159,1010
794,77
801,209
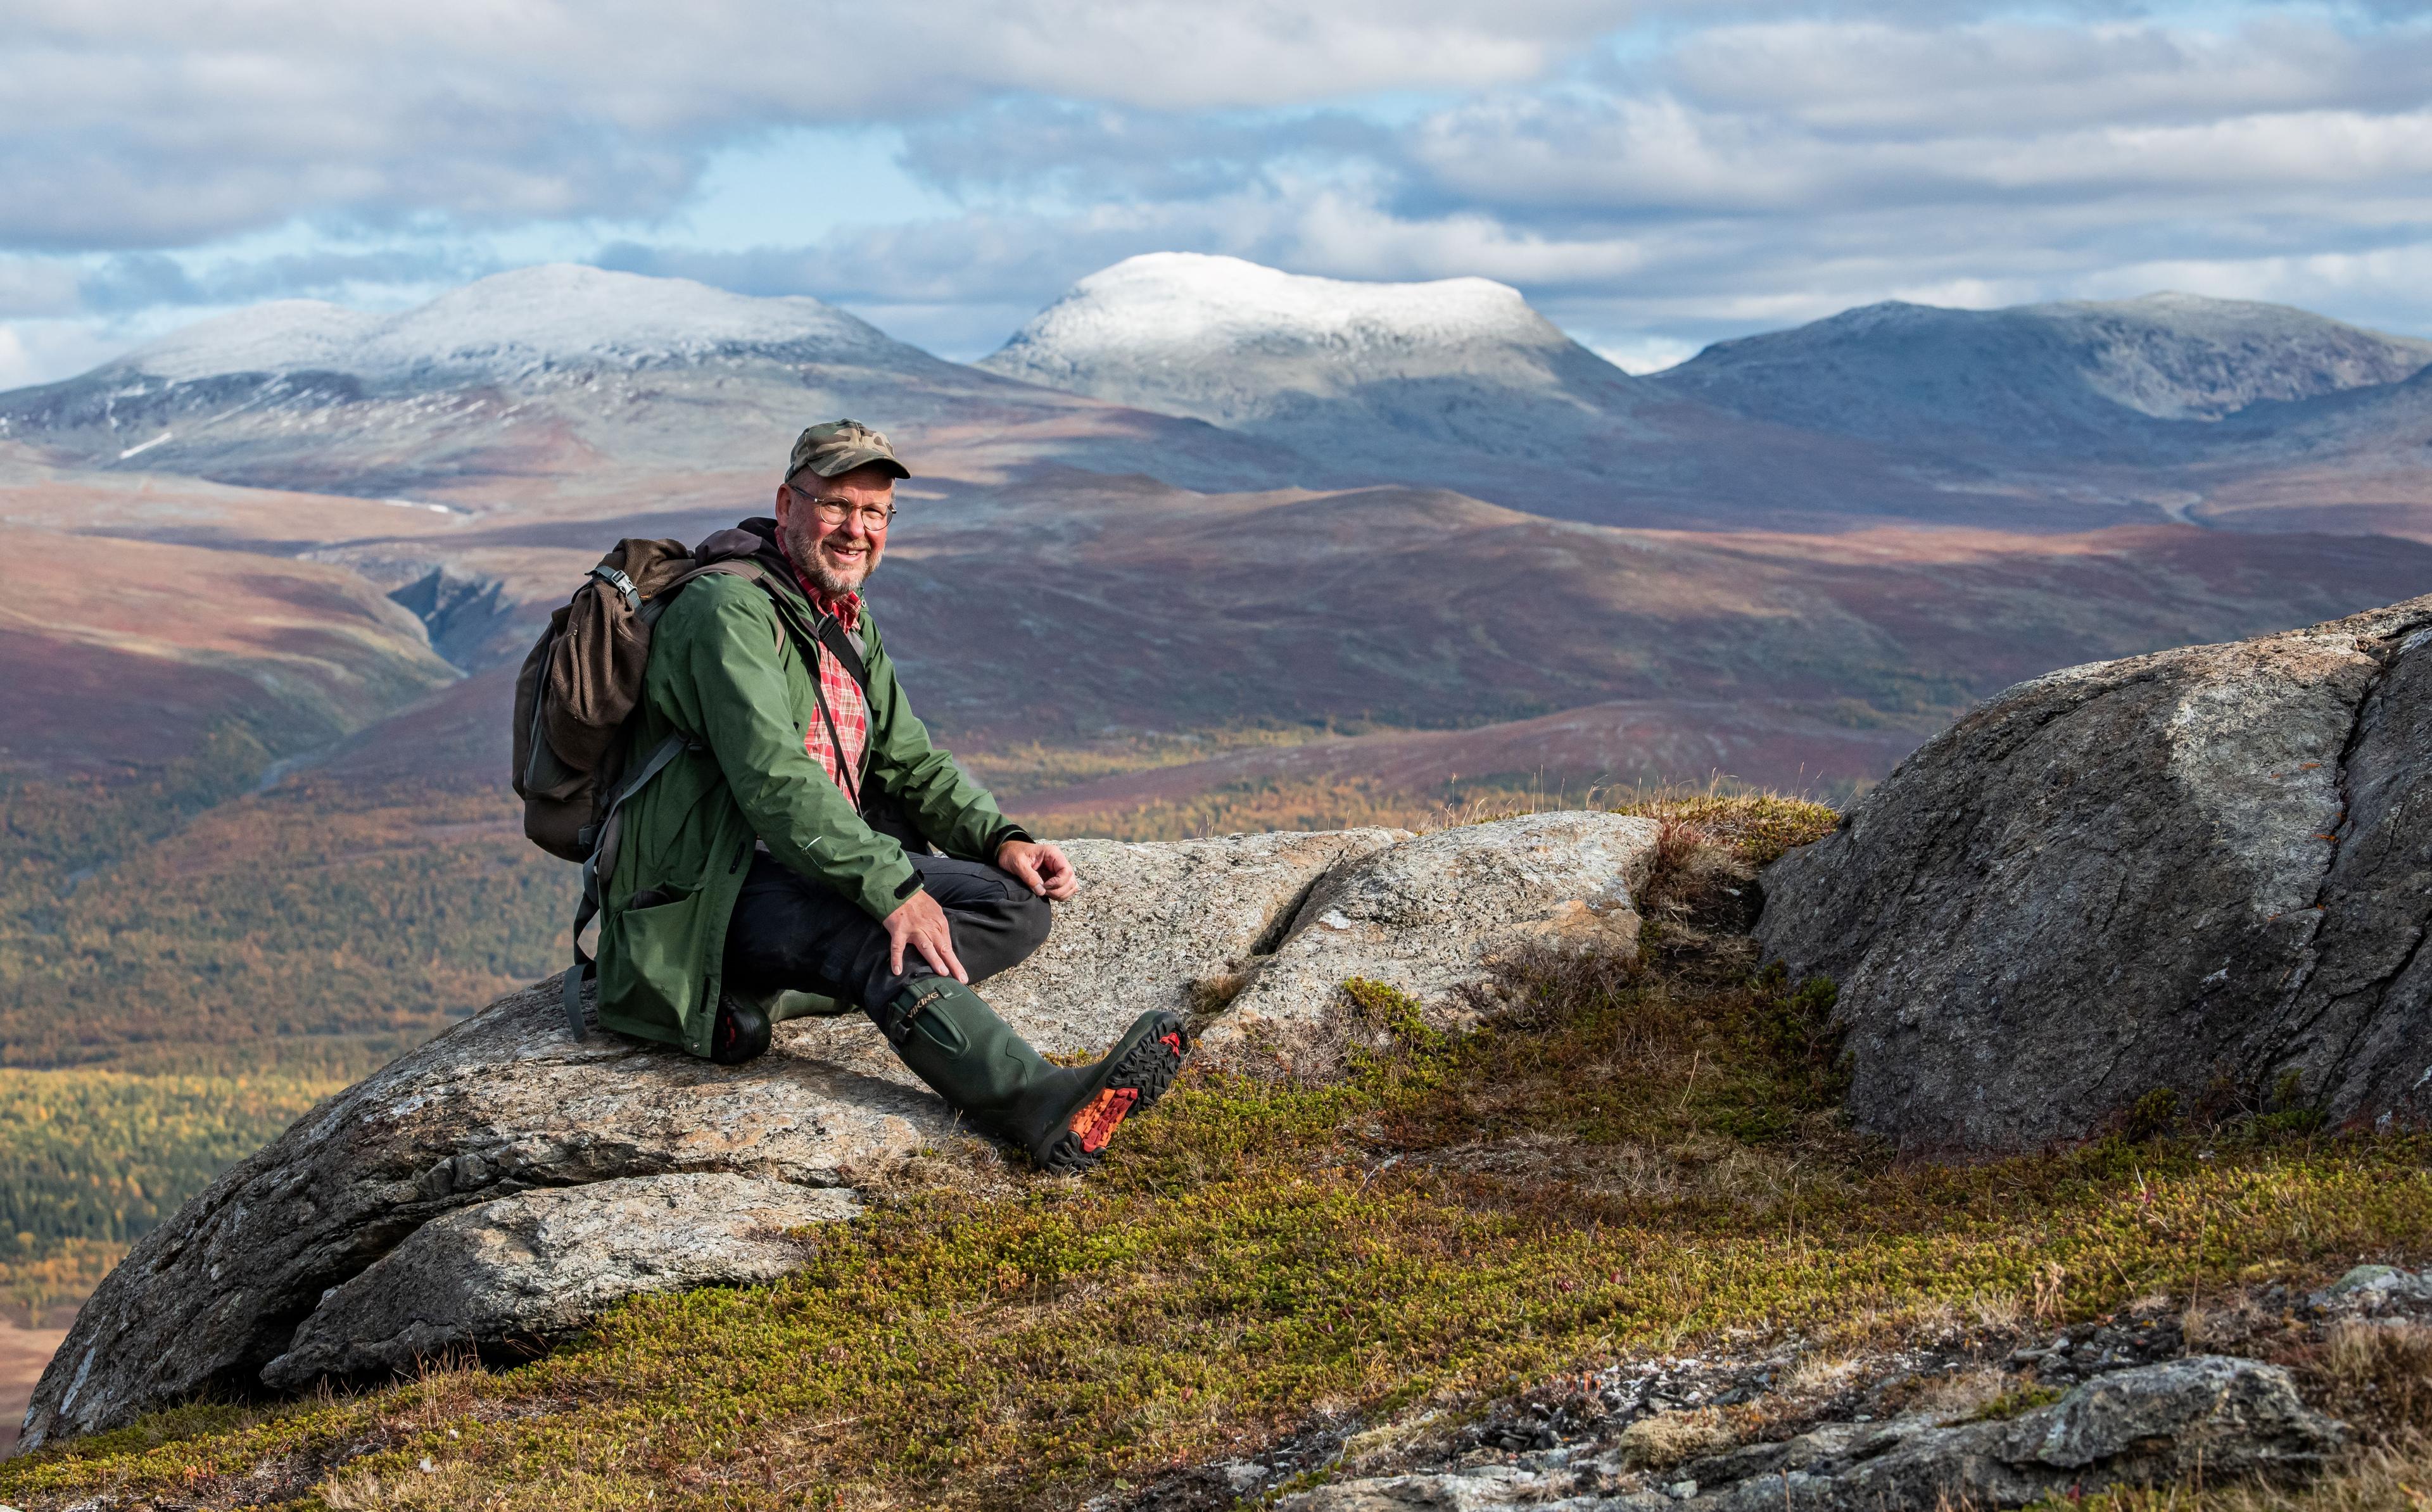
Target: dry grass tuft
1822,1375
1998,1312
1962,1394
1669,1437
2381,1478
2376,1376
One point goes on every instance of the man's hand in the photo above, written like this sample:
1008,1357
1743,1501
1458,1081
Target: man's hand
1042,868
917,921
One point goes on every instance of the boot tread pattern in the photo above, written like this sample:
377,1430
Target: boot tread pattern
1139,1080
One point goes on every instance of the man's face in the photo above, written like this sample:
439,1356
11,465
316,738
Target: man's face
836,554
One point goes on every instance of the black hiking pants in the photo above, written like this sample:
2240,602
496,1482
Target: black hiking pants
789,932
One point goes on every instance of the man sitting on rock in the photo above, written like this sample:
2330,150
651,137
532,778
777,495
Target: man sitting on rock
789,846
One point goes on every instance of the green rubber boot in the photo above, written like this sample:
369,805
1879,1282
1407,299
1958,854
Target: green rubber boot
954,1041
1061,1114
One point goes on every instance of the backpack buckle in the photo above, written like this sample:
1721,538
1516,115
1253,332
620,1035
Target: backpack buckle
623,584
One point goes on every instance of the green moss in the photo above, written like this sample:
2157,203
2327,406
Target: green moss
2017,1400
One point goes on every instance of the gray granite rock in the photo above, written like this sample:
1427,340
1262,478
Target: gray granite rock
2373,1288
498,1105
1430,913
548,1261
2203,870
2223,1417
1152,921
1151,925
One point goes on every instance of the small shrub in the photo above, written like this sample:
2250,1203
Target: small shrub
2151,1117
1389,1012
1788,1030
1669,1437
2023,1398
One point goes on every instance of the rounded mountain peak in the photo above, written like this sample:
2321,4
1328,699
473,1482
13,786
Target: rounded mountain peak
1224,339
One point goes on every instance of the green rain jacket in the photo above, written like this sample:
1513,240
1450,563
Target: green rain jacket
728,673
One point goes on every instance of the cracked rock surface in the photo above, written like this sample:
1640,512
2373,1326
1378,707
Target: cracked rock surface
1152,919
2149,1425
2206,872
506,1180
502,1104
546,1261
1428,913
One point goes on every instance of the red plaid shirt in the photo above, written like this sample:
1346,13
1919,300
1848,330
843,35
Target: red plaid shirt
847,704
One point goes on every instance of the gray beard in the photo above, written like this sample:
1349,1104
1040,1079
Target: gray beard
833,585
806,560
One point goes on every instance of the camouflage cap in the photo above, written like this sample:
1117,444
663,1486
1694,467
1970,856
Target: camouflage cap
841,446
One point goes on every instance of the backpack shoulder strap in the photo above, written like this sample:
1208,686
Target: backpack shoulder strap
843,643
736,567
834,638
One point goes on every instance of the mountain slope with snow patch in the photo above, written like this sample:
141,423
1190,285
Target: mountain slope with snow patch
1235,344
562,375
1456,382
516,322
2124,377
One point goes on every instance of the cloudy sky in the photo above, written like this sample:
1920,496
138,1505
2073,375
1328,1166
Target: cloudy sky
1654,175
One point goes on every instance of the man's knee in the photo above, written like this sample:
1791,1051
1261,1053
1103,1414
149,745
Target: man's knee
1033,919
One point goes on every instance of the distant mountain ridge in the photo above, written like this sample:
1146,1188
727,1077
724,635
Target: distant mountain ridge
2106,373
1455,383
571,378
515,322
1214,373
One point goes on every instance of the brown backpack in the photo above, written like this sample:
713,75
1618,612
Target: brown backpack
578,688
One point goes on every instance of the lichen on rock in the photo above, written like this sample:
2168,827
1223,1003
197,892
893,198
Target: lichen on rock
2206,872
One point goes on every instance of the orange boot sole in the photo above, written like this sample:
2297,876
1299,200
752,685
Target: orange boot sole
1137,1081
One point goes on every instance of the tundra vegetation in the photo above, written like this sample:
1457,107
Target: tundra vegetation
1626,1157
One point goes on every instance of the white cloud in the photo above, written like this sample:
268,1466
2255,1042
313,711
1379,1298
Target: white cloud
1713,171
126,123
1875,78
44,351
37,286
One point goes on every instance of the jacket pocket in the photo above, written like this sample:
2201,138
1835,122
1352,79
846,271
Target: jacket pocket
649,965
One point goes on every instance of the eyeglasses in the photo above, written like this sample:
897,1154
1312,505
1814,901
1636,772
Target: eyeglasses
833,513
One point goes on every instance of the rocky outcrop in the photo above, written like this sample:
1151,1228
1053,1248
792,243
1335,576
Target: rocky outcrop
1155,926
506,1182
2206,872
504,1104
2214,1416
1424,916
548,1261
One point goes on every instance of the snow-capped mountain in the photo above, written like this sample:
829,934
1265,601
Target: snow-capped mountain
1455,383
515,324
2124,376
1238,344
557,373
